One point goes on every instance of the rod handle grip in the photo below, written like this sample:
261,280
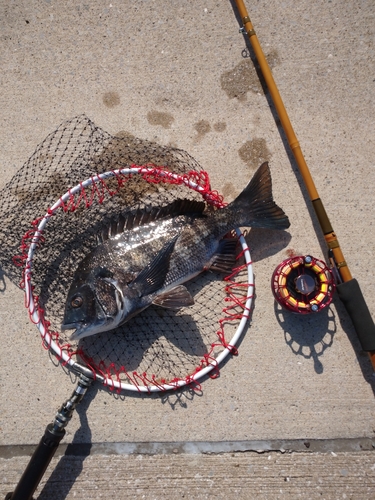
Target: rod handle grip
352,297
37,466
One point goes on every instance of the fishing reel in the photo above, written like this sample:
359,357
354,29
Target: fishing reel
303,284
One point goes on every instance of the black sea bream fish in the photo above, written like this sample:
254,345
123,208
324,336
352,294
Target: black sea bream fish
145,258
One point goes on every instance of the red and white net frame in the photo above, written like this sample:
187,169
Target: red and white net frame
238,295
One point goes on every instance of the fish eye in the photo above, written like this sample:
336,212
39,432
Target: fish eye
76,301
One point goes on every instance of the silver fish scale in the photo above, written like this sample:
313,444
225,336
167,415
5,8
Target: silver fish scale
193,250
131,251
197,245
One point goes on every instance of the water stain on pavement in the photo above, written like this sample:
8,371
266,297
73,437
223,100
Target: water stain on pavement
202,128
220,126
254,152
159,118
111,99
246,77
228,191
240,80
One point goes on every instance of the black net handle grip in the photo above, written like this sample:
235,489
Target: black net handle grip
49,443
37,466
352,297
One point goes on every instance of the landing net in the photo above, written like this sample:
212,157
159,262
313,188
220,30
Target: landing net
73,186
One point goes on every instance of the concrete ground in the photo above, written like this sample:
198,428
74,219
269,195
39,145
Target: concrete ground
292,416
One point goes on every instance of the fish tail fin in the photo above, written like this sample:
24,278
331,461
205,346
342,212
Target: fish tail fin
255,207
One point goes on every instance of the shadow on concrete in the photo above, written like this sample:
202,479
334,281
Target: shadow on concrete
264,243
308,335
79,447
3,285
362,356
70,465
181,397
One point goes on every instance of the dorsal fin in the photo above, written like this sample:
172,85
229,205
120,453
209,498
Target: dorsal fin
140,217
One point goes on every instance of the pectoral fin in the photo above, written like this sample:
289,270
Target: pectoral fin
174,299
152,277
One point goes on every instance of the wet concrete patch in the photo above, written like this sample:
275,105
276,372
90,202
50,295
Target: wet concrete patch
254,152
111,99
240,80
220,126
246,77
202,128
228,191
159,118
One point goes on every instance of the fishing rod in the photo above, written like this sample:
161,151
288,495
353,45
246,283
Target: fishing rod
347,286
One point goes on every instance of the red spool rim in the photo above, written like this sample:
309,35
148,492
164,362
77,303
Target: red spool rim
303,284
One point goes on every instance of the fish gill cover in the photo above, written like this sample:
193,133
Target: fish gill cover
159,345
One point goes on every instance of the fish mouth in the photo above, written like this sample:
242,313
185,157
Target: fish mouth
83,329
78,328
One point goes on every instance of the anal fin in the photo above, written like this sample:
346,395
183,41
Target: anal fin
225,257
175,298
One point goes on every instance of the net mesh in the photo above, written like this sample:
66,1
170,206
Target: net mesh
158,346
